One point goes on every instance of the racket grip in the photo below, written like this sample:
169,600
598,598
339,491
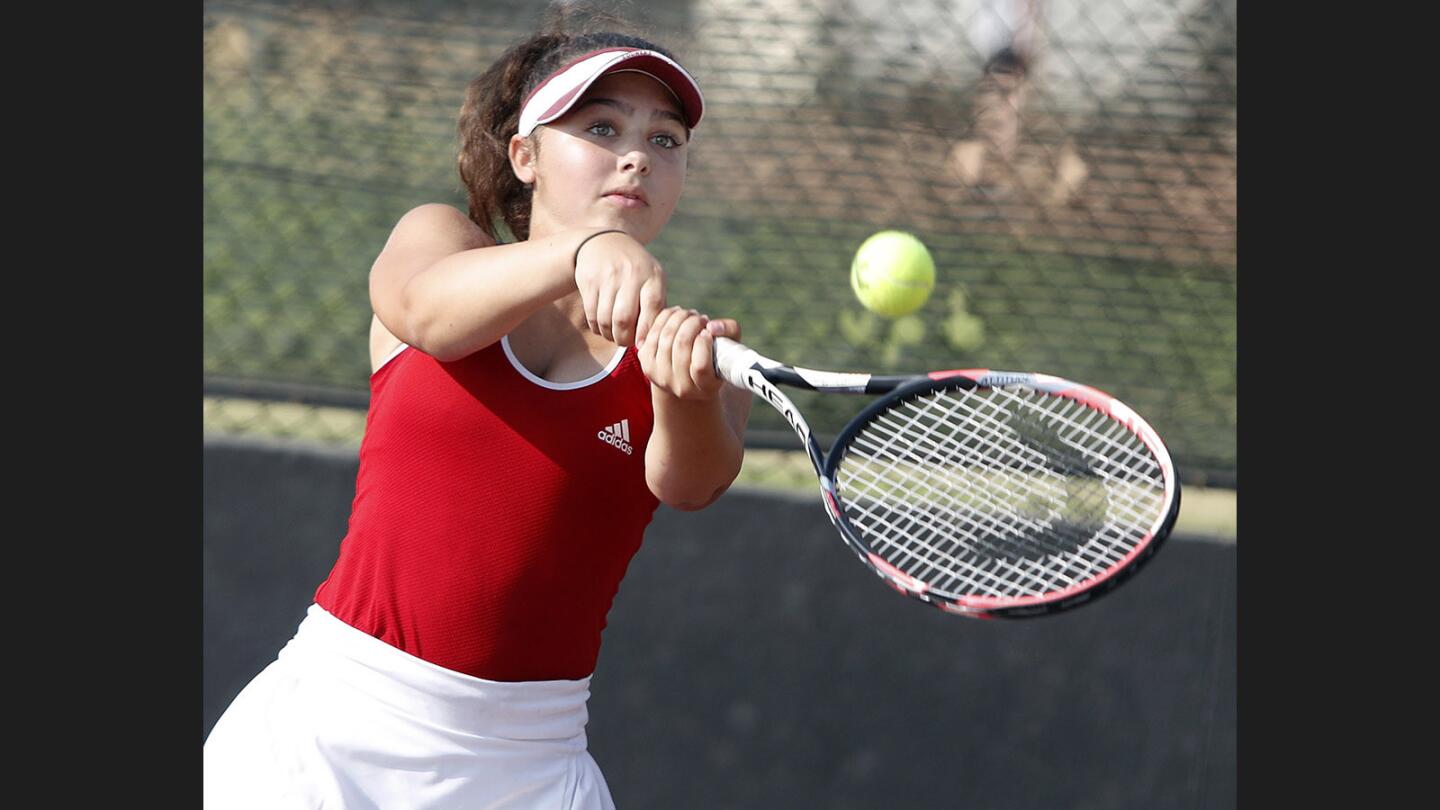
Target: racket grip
732,358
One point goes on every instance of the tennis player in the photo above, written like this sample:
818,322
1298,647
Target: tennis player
531,405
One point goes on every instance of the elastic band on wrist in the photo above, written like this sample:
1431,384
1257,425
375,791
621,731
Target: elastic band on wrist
575,260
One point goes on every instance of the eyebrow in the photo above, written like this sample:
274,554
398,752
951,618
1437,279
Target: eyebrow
629,110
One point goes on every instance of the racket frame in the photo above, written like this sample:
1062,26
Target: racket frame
744,367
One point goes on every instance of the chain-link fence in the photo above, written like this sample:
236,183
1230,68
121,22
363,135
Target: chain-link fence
1071,166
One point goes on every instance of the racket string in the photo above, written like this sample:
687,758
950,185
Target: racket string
938,554
974,568
969,567
1012,481
897,459
993,492
909,432
998,529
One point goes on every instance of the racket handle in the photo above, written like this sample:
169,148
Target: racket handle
732,358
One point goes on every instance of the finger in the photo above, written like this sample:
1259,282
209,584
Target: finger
652,340
624,314
663,333
604,311
589,297
702,363
678,317
658,343
683,351
724,327
653,343
652,300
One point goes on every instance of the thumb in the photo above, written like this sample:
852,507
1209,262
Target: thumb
724,327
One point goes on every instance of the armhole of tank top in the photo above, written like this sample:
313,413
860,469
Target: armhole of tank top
391,356
569,386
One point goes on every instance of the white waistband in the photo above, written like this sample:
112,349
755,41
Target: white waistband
524,710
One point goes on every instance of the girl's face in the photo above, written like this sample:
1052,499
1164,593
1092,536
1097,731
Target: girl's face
616,160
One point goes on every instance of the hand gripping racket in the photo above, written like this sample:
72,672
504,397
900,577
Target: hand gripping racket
983,493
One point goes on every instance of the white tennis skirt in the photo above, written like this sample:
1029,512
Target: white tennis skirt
343,720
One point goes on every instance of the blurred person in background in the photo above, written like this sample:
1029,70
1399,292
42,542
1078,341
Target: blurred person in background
1006,33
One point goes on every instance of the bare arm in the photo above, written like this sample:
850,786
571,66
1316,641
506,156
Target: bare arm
698,444
443,286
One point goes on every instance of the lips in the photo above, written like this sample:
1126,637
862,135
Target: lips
628,196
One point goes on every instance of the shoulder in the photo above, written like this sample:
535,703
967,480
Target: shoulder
437,225
423,235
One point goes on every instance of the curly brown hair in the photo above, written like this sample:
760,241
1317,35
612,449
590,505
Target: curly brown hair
490,114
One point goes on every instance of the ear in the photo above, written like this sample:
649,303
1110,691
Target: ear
522,159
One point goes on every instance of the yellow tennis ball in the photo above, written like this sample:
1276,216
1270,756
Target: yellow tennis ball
892,273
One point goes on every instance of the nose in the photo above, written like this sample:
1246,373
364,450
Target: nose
636,160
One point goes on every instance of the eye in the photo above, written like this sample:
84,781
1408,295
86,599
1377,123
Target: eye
606,129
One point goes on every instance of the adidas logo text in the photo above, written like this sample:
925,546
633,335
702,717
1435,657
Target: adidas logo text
617,435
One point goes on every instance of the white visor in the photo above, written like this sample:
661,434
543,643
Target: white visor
558,93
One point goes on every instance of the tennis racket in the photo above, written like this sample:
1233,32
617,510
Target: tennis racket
982,493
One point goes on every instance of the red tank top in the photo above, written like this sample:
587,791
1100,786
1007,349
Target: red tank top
494,513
